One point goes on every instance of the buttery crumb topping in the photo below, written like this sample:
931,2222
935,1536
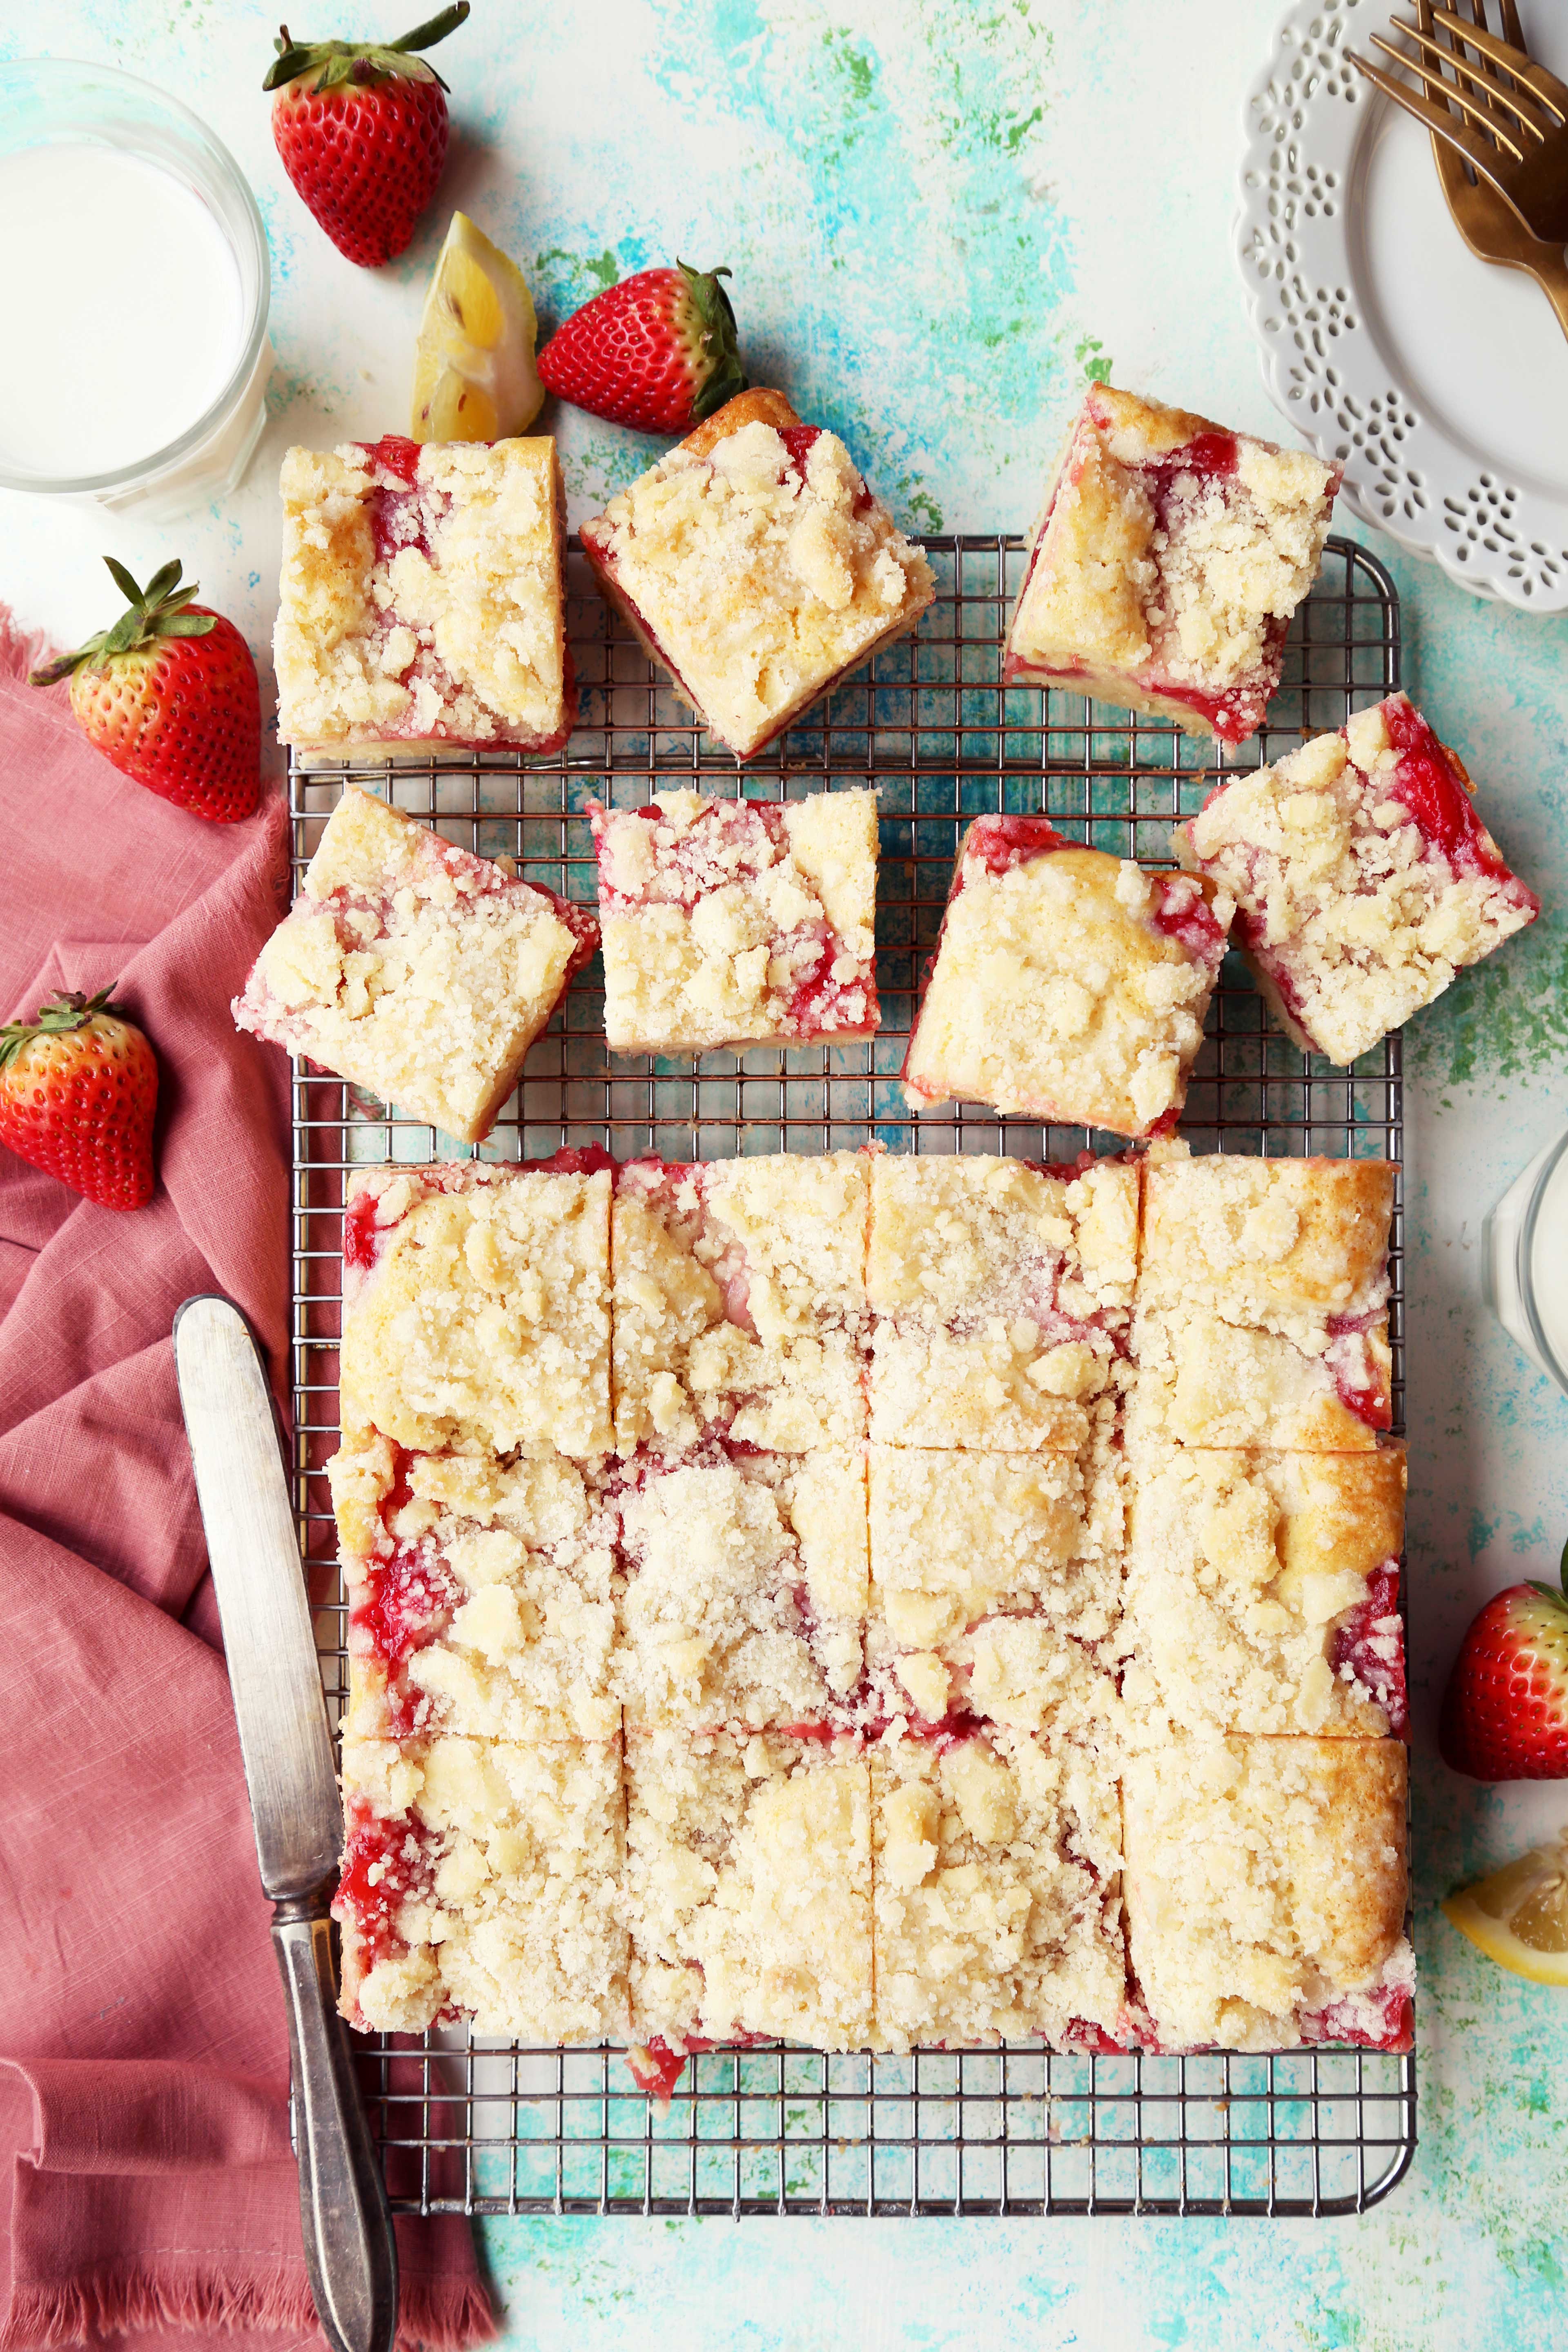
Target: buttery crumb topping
413,969
756,567
421,598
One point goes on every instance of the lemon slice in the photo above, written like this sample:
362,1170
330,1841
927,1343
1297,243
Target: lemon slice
474,377
1519,1916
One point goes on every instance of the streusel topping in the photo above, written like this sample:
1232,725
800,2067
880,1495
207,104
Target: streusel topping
1262,1593
998,1900
1285,1244
749,1887
1170,546
1364,879
421,595
999,1292
758,566
484,1876
1202,1380
1068,985
479,1311
481,1595
741,1301
413,969
1266,1884
745,1590
735,921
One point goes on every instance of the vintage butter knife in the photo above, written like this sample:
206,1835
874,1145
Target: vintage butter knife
287,1744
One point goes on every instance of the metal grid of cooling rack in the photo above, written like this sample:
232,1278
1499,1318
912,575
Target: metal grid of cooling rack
473,2126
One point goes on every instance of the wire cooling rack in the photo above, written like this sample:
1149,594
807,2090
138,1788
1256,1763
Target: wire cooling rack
473,2126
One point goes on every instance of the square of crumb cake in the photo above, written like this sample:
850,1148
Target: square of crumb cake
756,567
744,1589
1068,984
413,969
1266,1884
481,1594
1262,1593
997,1902
749,1888
420,608
738,922
740,1301
482,1879
477,1306
1000,1295
1362,878
1263,1303
995,1581
1166,563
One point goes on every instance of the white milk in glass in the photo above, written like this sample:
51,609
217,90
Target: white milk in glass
1525,1261
121,313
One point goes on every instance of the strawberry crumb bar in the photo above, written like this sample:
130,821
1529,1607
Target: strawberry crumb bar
477,1306
1068,984
749,1888
1266,1885
415,970
1000,1295
993,1576
1263,1303
481,1595
1168,559
735,923
740,1302
745,1588
997,1899
421,608
1263,1593
1364,879
757,568
482,1879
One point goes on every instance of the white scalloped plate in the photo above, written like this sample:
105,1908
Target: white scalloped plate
1441,381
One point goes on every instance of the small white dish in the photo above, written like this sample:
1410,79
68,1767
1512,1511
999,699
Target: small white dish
1440,380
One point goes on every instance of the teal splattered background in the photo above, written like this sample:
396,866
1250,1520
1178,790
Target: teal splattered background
943,217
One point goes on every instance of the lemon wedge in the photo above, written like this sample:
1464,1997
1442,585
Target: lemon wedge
1519,1916
474,377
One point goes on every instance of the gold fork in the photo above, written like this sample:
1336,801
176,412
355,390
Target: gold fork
1491,231
1518,142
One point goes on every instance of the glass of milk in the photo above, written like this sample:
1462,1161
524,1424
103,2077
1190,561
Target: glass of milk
1524,1261
134,284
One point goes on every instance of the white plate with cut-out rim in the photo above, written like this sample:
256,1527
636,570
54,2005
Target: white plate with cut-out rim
1439,380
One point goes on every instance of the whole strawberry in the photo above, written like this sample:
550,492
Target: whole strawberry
656,351
169,695
362,128
1505,1712
78,1088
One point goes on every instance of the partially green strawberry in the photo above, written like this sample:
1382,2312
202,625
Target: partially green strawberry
79,1090
1505,1712
169,694
362,128
657,352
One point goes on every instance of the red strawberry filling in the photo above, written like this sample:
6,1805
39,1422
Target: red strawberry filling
386,1864
1389,2026
1360,1381
1428,782
1369,1642
1183,913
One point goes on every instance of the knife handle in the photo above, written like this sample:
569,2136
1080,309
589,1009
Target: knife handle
351,2253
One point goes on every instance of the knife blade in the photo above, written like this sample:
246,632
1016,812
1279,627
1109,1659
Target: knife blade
287,1746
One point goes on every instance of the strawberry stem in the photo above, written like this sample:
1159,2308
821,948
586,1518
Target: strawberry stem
63,1013
156,610
335,62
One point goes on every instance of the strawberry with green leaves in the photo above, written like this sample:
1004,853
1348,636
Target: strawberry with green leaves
169,694
362,128
78,1091
657,352
1505,1712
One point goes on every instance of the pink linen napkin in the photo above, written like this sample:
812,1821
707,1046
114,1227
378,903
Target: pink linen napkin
146,2182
